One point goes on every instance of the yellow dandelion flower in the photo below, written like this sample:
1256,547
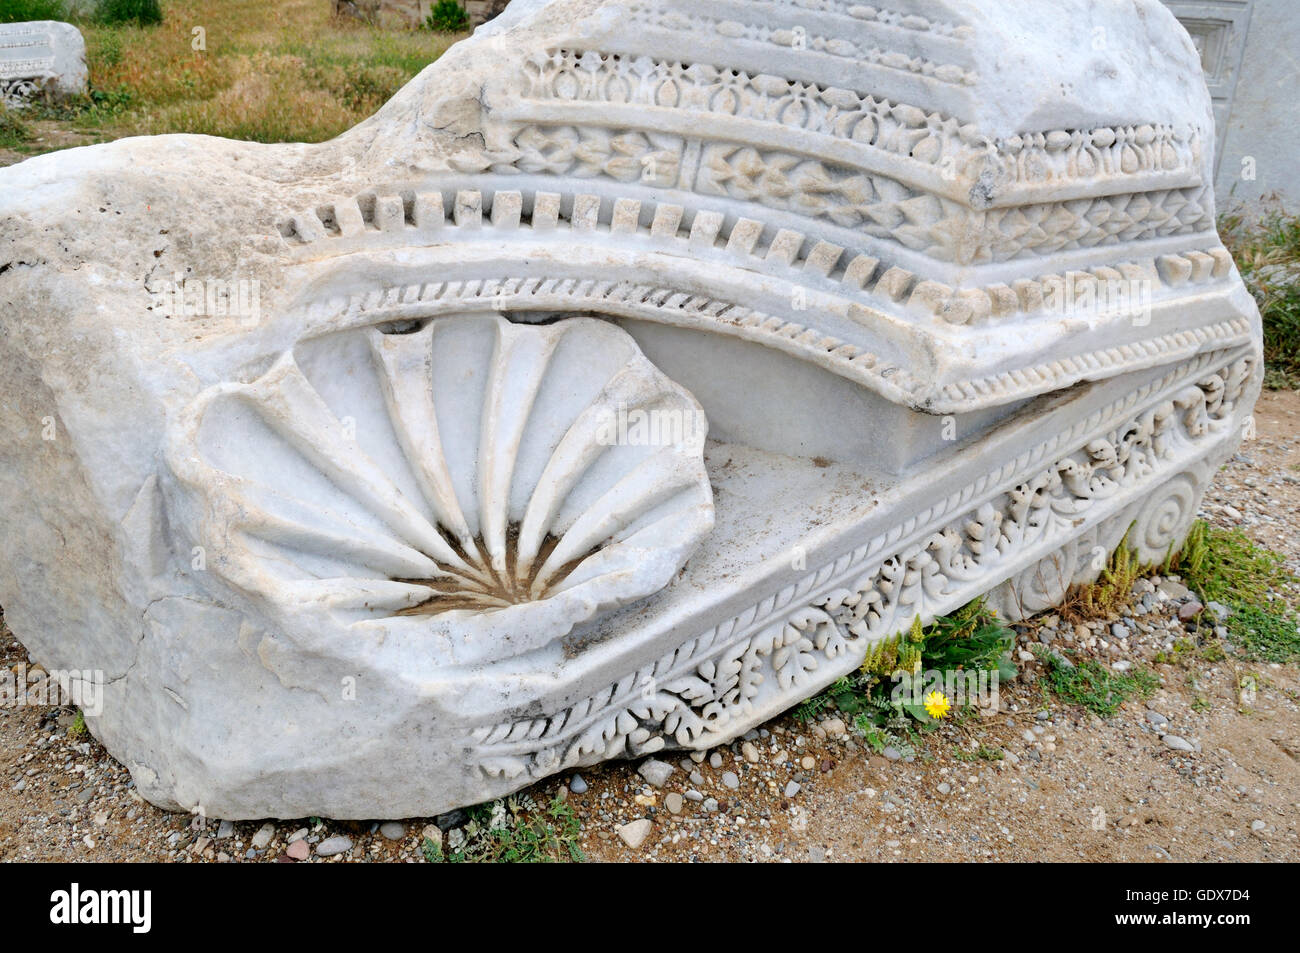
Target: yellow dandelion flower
937,705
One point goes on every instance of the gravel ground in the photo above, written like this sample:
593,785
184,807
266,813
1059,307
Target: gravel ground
1190,774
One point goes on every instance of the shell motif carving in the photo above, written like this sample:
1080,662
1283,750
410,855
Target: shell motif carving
482,484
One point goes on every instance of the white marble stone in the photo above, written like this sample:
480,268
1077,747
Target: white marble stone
327,456
41,57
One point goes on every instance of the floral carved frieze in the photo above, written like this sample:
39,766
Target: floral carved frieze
1141,477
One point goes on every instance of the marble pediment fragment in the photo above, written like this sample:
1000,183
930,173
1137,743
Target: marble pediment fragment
614,388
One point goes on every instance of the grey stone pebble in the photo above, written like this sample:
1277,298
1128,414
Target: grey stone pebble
392,830
1119,631
263,836
576,785
1189,610
730,780
715,760
334,845
1157,719
694,795
1177,743
1221,611
792,788
892,754
711,805
697,779
945,788
674,803
656,772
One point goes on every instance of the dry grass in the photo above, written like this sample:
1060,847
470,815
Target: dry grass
272,71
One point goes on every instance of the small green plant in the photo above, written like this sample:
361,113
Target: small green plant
78,730
970,641
515,830
1111,590
13,131
140,12
982,753
1092,685
432,851
447,16
19,11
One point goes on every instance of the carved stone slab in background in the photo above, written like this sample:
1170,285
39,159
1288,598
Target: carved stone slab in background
41,57
372,474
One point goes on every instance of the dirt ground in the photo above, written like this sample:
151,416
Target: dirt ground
1068,785
47,136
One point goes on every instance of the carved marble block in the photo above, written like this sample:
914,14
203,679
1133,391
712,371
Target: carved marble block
613,389
41,57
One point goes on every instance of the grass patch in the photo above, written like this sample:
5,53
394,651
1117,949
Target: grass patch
141,12
1226,566
970,640
283,72
13,131
515,830
1267,634
1088,683
1268,255
19,11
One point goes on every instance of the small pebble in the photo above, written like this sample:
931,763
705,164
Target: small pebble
331,846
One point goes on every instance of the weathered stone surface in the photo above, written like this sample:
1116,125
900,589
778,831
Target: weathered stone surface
41,57
326,456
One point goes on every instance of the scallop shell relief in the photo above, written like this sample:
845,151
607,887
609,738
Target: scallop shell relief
479,484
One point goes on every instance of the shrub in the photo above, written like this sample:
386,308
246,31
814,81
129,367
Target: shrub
447,16
142,12
18,11
1268,253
